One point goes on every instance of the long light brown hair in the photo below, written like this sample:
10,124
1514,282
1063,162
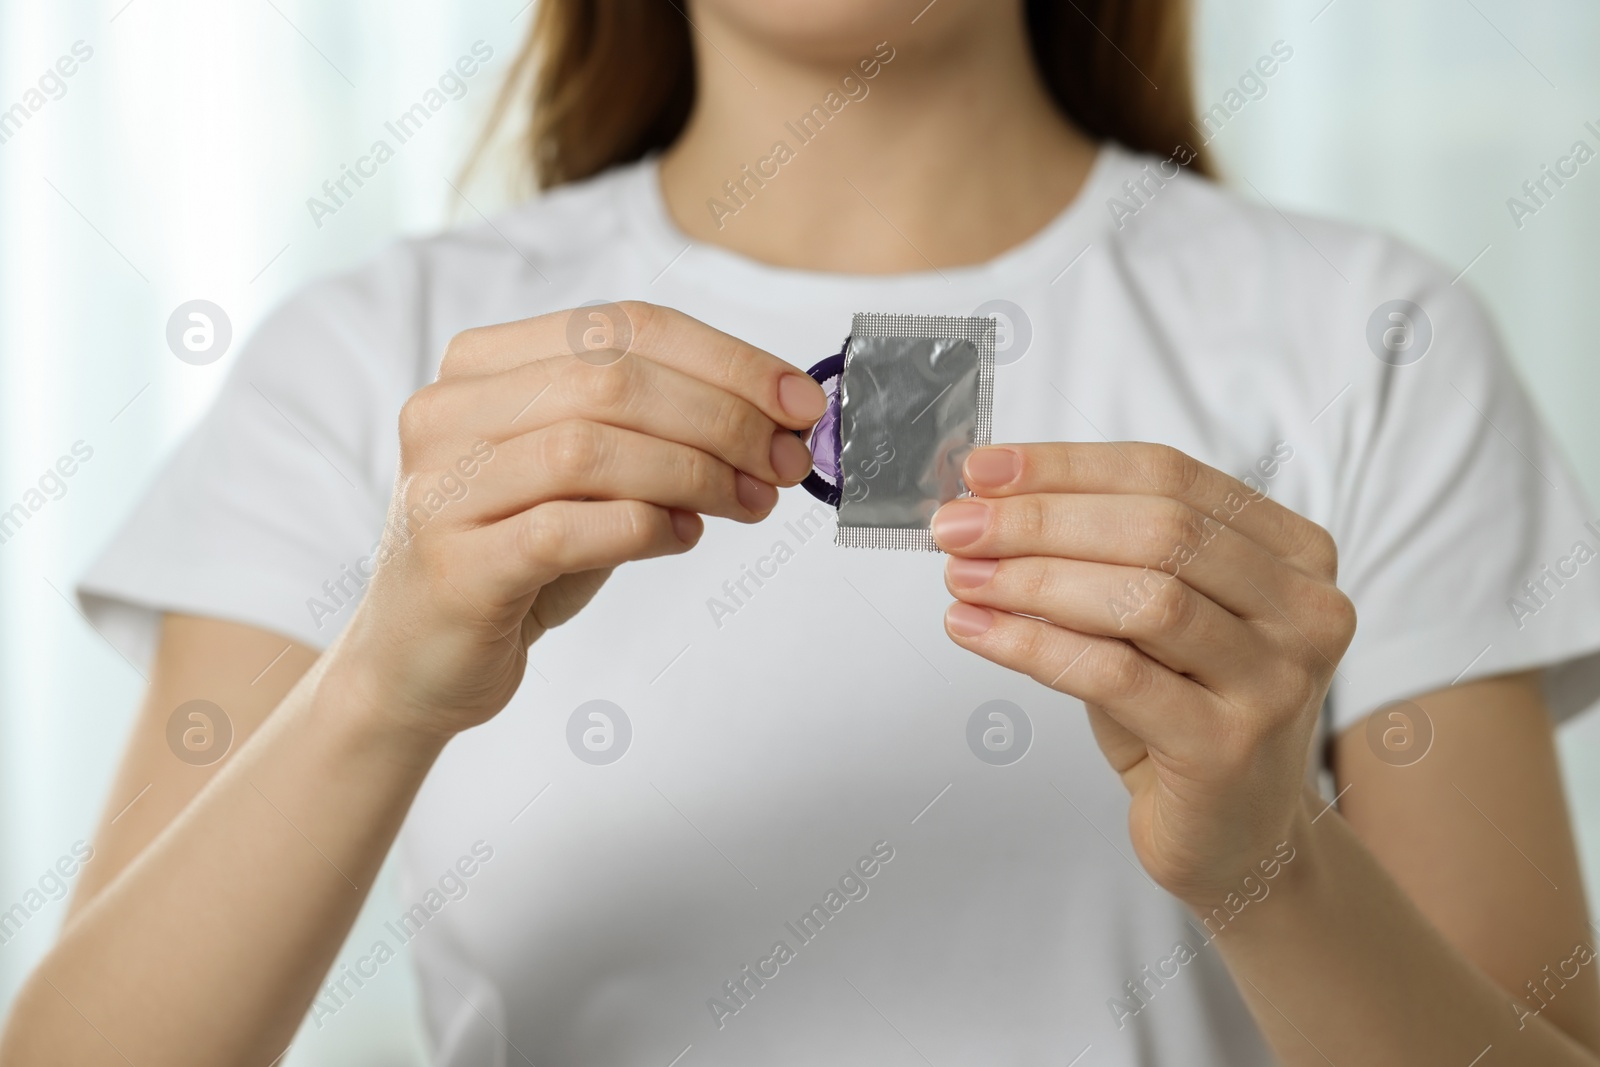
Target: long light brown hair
612,80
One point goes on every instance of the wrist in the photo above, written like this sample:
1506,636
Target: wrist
349,689
1284,880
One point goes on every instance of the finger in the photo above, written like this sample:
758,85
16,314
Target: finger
1165,709
523,553
608,333
1143,469
632,394
567,595
589,460
1123,748
1151,532
1162,616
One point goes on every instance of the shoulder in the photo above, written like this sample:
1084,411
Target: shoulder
1195,222
1247,279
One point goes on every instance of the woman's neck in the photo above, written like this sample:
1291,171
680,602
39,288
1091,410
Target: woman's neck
949,154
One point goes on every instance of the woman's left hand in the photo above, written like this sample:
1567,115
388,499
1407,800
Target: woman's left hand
1196,618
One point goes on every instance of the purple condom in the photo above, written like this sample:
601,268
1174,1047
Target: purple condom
823,438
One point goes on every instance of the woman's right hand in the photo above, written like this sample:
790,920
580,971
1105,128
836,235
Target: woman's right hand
547,452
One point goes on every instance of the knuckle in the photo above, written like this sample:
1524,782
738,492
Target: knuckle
1131,601
1302,677
1032,644
703,476
1035,578
731,422
462,352
732,362
1123,672
639,312
1284,687
1172,607
1172,525
1322,550
1071,461
1335,618
1175,472
538,536
419,416
604,388
642,524
570,449
643,317
1347,616
1030,520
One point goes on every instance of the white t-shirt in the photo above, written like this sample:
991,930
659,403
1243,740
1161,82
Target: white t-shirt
795,716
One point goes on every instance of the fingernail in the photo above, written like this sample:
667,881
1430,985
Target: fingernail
967,620
993,467
968,573
959,524
685,526
756,496
801,397
790,456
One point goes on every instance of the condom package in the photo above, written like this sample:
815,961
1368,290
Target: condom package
909,397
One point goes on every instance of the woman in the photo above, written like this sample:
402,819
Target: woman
746,803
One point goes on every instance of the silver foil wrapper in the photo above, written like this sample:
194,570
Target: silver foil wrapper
917,396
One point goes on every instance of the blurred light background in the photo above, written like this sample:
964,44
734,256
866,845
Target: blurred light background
175,163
